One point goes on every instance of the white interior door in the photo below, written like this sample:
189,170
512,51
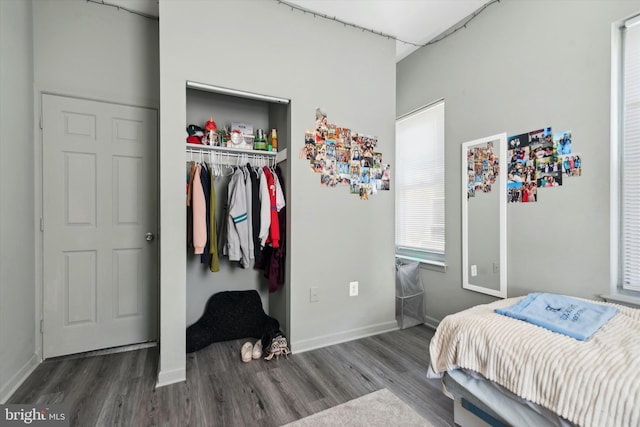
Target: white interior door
99,203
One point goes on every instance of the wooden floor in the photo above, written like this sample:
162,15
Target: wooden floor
119,389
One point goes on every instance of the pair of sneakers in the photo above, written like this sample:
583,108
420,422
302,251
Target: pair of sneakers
251,351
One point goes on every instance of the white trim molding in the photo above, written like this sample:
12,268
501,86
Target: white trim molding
16,381
431,322
344,336
614,170
171,377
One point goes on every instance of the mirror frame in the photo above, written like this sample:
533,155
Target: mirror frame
501,187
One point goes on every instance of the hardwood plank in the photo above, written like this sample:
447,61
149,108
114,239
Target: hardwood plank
118,389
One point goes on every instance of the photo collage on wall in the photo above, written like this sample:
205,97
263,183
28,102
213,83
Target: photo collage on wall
483,169
344,157
539,159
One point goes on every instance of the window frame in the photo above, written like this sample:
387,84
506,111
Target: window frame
617,292
432,259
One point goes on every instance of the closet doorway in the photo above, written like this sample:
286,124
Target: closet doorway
100,209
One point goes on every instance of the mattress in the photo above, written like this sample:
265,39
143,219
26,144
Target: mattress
591,383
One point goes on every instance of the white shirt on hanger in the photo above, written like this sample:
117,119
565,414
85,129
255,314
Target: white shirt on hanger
265,209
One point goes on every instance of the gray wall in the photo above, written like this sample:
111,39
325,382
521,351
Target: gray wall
520,66
94,51
17,246
334,236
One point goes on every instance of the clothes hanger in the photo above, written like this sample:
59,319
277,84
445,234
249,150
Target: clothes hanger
228,166
215,164
211,166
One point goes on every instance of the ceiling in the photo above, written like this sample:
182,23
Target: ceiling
416,21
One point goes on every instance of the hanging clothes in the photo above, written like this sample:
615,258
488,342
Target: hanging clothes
274,230
247,185
190,175
213,247
205,178
252,227
199,214
274,258
222,231
265,207
237,225
280,203
254,175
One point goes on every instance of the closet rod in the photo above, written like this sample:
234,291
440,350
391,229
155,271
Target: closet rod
206,148
226,157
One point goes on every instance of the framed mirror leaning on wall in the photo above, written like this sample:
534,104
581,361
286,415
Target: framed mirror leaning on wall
484,215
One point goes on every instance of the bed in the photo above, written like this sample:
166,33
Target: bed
510,372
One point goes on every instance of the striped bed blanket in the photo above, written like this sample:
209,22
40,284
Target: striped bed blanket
591,383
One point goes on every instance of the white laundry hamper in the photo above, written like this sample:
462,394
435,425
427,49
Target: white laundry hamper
409,294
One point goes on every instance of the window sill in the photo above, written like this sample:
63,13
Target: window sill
426,264
627,300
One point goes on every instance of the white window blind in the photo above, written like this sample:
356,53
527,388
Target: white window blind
420,184
630,157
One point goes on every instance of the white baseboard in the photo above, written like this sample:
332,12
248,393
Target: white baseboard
7,390
431,322
171,377
344,336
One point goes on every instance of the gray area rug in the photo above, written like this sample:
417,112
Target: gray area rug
380,408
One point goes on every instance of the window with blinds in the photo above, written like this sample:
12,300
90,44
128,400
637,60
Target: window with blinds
420,185
630,157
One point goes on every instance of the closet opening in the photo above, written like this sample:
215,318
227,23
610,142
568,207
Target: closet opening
252,118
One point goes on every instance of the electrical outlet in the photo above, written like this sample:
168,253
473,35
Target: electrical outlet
314,294
353,289
474,270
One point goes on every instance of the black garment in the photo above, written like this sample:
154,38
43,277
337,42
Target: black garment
231,315
205,178
255,215
222,229
274,258
190,211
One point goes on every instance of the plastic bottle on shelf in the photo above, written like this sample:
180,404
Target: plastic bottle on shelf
211,128
259,143
274,139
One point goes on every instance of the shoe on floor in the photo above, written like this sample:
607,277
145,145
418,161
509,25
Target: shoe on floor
257,350
246,351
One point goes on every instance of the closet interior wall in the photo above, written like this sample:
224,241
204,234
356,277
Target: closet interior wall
279,302
201,282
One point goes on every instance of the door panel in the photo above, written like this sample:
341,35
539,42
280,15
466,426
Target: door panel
79,283
80,188
99,201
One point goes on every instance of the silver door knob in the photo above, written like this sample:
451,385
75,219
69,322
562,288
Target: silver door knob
149,237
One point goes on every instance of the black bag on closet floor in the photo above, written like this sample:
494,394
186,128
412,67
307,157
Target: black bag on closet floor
231,315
